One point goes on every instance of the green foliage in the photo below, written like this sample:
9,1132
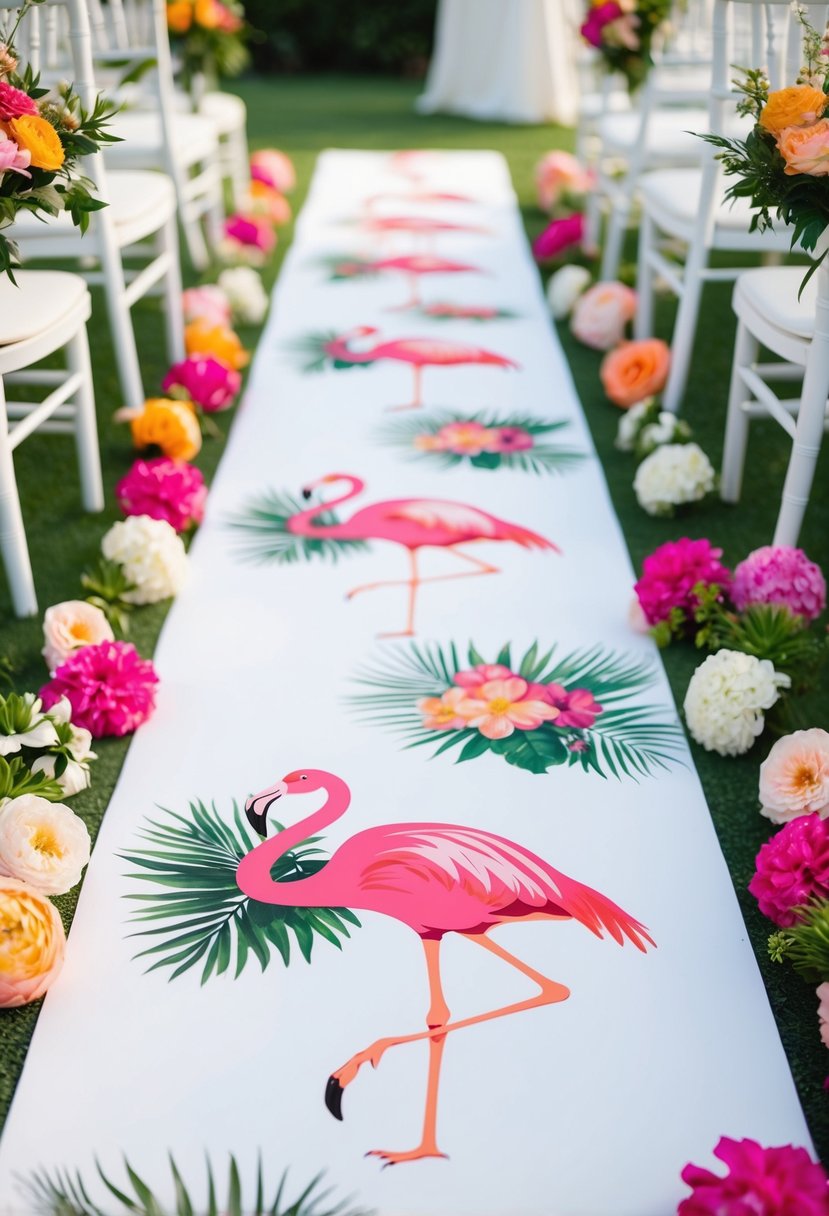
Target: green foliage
62,1192
108,587
624,740
214,53
312,351
768,632
204,917
16,778
264,536
540,458
806,944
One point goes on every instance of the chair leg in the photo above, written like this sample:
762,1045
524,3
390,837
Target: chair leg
86,426
617,222
239,165
685,328
123,334
736,425
643,321
13,546
173,308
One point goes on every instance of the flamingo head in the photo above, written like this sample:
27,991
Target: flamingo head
258,805
327,480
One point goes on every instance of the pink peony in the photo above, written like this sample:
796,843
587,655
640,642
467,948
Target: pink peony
557,174
512,439
14,102
781,575
250,230
273,168
791,869
601,314
577,707
760,1182
598,17
823,1015
671,572
12,158
206,381
476,676
166,489
794,777
207,303
558,236
110,687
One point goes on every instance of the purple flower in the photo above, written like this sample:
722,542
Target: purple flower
792,869
206,381
783,576
760,1181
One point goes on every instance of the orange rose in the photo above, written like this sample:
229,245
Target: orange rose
32,943
635,370
179,16
167,424
208,14
202,338
806,149
40,138
798,106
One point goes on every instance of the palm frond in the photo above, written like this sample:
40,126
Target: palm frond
63,1192
200,916
345,267
623,739
263,535
310,350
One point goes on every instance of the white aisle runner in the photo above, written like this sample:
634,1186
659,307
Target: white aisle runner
583,1107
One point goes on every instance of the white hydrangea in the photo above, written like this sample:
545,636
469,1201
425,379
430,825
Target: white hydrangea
151,554
726,697
631,423
673,474
564,288
246,295
666,428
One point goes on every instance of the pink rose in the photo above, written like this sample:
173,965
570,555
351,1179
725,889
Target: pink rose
250,230
69,626
558,174
601,314
206,381
208,303
481,674
12,158
273,168
14,102
558,236
794,777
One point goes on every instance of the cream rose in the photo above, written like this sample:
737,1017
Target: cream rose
248,299
151,554
794,777
601,314
69,626
32,943
42,843
564,289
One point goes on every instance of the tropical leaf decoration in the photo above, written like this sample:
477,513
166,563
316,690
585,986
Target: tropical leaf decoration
196,914
311,350
345,267
597,728
63,1192
440,310
262,532
484,441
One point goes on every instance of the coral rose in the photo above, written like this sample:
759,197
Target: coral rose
169,425
794,777
179,16
69,626
558,174
274,168
635,370
32,943
201,338
806,149
40,139
798,106
601,314
43,843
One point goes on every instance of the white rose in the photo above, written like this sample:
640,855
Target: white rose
30,728
564,288
151,554
630,424
726,697
659,432
673,474
69,626
247,297
42,843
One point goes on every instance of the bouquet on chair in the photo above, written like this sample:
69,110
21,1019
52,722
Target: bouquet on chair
782,164
622,31
209,38
43,135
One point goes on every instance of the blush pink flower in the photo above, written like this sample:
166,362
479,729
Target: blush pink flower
207,303
598,17
781,575
166,489
474,677
794,777
499,707
823,1014
670,573
274,168
12,158
110,687
512,439
760,1181
444,712
576,707
250,230
559,236
206,381
14,102
465,438
601,314
560,174
792,869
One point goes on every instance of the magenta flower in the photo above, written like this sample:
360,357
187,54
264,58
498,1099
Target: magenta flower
250,230
13,158
792,869
760,1182
14,102
206,381
558,236
512,439
274,168
780,575
577,707
166,489
110,687
598,17
670,573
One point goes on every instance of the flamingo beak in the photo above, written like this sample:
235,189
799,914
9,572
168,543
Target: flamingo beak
306,492
258,805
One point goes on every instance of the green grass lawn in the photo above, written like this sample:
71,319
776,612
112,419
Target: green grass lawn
302,116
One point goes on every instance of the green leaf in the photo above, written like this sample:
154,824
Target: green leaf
533,750
263,532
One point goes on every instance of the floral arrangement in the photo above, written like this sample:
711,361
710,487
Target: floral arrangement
203,338
169,490
623,32
780,575
673,580
760,1181
487,442
205,381
247,238
781,163
209,303
601,314
561,182
110,688
564,287
645,427
245,295
674,475
209,37
266,202
634,371
151,555
726,699
44,748
167,424
273,168
536,714
43,137
559,236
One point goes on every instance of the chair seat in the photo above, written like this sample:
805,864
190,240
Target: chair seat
668,135
672,198
226,111
593,105
772,292
140,201
194,139
41,299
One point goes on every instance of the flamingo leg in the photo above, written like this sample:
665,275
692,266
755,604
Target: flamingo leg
436,1019
414,300
417,398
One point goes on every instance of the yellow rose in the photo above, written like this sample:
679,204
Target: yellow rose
798,106
39,137
179,16
806,149
167,424
32,943
202,338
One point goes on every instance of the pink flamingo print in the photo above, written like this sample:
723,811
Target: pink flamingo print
414,523
423,225
436,878
412,266
417,352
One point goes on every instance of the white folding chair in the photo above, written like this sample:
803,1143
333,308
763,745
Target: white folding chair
687,206
796,331
47,311
138,221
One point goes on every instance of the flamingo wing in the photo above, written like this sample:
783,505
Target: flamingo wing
452,516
